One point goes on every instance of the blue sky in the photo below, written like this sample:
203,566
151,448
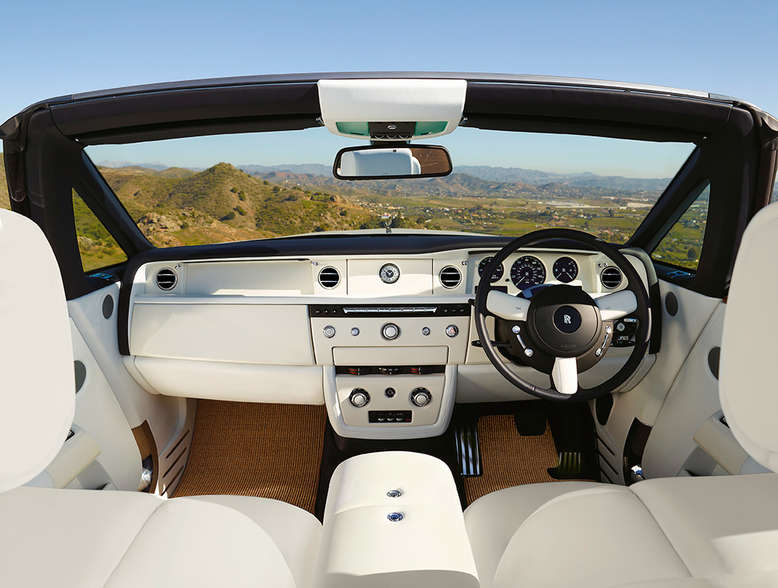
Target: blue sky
55,48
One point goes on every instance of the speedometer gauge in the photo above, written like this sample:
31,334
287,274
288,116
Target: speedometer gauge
497,275
565,269
527,271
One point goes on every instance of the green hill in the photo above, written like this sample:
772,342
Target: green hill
5,202
222,203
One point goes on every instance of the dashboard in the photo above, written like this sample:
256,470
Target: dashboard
387,342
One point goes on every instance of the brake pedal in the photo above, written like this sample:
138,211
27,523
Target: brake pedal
468,449
570,466
530,422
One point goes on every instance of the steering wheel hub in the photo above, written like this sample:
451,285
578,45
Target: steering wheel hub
564,321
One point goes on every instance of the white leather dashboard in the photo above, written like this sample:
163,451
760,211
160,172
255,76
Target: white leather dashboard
276,329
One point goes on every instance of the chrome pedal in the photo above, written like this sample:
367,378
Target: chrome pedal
468,449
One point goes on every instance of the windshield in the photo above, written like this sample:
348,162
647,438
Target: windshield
239,187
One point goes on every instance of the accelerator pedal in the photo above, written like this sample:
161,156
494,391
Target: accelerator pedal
468,449
570,466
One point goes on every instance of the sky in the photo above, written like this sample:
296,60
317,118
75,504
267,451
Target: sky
60,48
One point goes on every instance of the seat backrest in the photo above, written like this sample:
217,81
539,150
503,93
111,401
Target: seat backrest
748,384
37,392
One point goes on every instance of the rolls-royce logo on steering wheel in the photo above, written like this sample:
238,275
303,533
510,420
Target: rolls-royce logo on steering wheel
567,319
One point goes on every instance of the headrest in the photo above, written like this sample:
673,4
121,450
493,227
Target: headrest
37,392
748,384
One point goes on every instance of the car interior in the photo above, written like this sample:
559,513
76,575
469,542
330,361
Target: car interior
389,371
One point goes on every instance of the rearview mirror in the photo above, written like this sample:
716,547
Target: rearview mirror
377,162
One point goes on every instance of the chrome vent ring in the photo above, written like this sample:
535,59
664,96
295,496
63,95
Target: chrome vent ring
329,277
611,277
166,279
450,277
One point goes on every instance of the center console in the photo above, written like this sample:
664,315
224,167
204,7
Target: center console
390,370
394,519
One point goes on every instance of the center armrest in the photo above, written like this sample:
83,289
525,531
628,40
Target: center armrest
394,518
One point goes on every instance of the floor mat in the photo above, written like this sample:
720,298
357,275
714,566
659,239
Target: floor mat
510,459
246,449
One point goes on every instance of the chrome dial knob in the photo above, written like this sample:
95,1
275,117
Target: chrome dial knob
359,397
421,397
390,331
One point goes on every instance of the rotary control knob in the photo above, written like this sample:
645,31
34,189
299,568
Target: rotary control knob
359,397
421,397
390,331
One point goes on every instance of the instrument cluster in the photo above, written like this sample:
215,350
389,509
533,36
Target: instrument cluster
528,270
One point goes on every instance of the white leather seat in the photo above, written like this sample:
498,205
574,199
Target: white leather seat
105,538
672,532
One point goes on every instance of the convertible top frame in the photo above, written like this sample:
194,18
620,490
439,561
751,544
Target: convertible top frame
43,145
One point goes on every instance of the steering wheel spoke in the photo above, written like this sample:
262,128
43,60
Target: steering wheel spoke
616,305
565,375
505,306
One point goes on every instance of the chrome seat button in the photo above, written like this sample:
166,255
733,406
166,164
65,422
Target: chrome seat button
395,517
395,493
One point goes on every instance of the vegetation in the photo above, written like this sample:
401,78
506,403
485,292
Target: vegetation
5,201
95,244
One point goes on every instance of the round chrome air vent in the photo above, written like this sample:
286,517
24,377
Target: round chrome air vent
166,279
329,277
611,277
450,277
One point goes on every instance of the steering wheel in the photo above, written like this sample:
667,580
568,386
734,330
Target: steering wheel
560,329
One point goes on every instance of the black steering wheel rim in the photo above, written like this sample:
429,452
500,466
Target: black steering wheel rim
634,284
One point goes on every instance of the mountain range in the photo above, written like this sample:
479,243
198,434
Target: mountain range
490,174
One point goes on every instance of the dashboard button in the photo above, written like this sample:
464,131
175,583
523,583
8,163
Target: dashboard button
452,330
390,392
354,331
329,331
359,397
425,331
390,331
421,397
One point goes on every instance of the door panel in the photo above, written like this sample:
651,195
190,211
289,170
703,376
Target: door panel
693,399
680,332
95,318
